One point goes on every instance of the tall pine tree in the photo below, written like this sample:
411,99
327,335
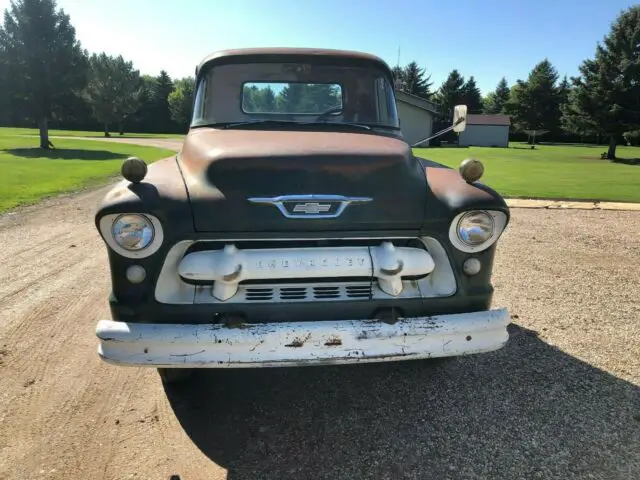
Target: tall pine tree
471,96
450,94
496,101
416,81
413,79
605,98
159,100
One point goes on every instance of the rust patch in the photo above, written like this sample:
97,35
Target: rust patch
298,342
333,341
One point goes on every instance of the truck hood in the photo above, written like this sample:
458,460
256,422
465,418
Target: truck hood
262,181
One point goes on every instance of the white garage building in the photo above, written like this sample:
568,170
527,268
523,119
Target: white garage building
485,131
416,116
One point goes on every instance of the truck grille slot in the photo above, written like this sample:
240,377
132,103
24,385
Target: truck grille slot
306,292
259,294
358,291
293,293
326,292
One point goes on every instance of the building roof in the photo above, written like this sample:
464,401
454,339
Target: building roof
416,101
486,119
222,55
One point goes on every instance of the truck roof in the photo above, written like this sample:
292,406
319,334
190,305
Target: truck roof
278,53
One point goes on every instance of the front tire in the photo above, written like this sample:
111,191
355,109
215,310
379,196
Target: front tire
172,376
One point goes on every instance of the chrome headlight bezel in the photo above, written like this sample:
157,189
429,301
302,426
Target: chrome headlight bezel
498,220
107,223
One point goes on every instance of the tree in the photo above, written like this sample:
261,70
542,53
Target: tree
159,103
113,89
450,94
496,101
471,96
563,91
413,79
143,119
606,95
44,62
398,77
181,101
534,103
5,97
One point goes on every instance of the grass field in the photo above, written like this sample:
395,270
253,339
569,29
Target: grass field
4,131
28,174
550,171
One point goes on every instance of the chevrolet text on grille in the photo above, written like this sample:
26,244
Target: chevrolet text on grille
228,267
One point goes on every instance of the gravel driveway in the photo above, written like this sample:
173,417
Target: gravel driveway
561,400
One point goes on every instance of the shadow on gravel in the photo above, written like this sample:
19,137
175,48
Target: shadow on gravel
526,411
65,154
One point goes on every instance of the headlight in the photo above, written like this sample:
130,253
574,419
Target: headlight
132,235
132,232
475,228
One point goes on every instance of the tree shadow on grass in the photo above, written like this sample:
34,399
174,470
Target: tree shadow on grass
627,161
528,410
65,154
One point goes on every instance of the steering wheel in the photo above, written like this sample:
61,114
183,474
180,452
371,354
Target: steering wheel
326,113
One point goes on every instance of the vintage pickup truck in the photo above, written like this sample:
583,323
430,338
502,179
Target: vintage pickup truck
296,227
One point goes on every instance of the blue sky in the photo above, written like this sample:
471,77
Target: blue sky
487,39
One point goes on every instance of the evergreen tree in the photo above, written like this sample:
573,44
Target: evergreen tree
416,81
291,98
534,103
413,79
450,94
43,60
605,97
471,96
159,103
496,101
267,100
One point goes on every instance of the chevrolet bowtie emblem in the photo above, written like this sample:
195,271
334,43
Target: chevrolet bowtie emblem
310,206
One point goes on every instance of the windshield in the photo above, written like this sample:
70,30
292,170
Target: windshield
301,93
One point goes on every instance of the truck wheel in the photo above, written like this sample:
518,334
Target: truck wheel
174,375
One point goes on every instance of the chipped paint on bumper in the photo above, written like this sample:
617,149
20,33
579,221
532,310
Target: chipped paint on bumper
300,343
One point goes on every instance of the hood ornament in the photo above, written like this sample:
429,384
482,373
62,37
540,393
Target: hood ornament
310,206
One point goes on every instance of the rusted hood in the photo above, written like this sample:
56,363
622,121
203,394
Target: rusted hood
224,169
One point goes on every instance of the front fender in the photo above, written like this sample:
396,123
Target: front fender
162,194
449,194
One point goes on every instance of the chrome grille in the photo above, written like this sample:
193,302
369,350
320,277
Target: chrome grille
305,292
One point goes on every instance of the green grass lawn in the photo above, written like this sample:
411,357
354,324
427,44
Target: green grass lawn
28,174
550,171
4,131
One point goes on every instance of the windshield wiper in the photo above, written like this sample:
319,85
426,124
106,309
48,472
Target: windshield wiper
286,122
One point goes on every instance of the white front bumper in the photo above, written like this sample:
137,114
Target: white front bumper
301,343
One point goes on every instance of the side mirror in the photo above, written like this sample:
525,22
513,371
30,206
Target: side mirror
459,118
459,124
